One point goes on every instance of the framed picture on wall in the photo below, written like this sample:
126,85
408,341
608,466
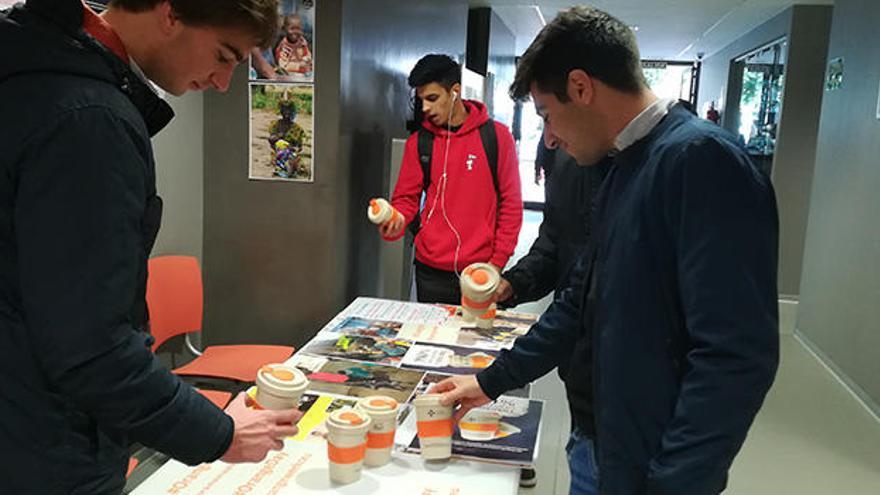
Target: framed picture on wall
281,132
291,55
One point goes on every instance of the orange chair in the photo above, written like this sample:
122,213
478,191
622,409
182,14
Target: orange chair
174,299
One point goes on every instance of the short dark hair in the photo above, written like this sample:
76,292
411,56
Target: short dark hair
580,38
435,68
257,17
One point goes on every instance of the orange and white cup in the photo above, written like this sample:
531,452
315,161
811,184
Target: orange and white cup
478,284
380,211
280,386
347,444
435,426
487,319
380,439
479,425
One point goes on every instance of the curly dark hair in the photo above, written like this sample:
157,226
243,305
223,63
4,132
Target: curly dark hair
435,68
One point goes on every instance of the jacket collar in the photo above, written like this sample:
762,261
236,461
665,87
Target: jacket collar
75,20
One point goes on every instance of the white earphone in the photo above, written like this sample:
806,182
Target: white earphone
440,196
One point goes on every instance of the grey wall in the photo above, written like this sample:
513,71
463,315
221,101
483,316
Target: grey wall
806,27
179,177
282,258
274,252
796,140
840,288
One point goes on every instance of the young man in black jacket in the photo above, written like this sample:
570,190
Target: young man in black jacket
669,322
78,216
563,234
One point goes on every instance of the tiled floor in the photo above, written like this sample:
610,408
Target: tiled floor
811,437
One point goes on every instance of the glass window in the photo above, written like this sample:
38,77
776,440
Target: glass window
763,77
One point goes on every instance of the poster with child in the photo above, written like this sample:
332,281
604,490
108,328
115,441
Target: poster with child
291,55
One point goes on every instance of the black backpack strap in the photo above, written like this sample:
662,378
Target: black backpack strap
490,146
426,149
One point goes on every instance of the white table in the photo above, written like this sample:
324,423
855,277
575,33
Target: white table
302,467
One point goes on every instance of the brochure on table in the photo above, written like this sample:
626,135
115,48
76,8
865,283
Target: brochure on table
401,349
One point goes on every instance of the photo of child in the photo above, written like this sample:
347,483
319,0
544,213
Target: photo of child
290,57
281,130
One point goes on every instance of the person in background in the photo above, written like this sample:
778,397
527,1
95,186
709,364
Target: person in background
79,216
544,156
564,233
570,194
712,114
472,213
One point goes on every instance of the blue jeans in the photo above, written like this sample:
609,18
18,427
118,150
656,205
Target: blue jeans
582,465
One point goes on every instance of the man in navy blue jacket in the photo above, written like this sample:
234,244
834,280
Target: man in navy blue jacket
670,318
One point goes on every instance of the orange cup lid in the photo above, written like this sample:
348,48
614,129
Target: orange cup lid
480,276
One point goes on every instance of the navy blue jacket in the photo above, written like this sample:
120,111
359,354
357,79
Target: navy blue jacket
671,318
78,217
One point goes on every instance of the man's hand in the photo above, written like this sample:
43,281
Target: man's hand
392,227
503,292
463,390
257,432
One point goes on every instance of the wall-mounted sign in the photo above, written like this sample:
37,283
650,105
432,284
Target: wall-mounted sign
834,78
472,85
653,64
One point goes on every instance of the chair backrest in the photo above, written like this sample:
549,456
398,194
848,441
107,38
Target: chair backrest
174,297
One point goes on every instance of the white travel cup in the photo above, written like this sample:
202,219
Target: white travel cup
434,422
478,284
347,443
280,386
380,211
380,439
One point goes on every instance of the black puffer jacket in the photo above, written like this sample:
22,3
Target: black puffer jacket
565,231
78,217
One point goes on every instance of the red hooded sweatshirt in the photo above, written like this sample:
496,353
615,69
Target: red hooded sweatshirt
488,229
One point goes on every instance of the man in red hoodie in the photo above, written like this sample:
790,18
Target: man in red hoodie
466,218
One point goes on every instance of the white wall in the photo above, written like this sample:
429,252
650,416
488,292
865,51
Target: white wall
180,170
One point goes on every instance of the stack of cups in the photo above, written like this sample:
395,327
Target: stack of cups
347,444
480,425
380,211
279,387
380,439
478,283
434,422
